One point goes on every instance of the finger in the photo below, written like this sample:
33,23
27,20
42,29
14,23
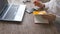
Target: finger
45,16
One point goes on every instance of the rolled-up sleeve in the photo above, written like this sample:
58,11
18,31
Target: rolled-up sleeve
47,4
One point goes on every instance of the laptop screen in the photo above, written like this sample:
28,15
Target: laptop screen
3,3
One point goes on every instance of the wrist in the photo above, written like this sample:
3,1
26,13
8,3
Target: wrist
43,6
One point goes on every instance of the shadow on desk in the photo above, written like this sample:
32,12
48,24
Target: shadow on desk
57,24
11,22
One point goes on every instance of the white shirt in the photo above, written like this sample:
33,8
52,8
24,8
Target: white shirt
54,8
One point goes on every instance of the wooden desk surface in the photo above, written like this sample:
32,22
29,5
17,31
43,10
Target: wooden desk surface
27,27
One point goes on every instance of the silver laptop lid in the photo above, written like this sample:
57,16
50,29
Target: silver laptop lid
3,3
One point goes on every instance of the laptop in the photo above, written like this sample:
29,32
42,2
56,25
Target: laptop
11,12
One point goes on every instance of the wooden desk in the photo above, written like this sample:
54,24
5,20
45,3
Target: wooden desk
27,27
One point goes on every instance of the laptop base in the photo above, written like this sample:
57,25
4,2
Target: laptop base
13,13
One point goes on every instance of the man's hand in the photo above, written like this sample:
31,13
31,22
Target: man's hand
49,17
39,4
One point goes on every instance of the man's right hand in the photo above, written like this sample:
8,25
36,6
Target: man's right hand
49,17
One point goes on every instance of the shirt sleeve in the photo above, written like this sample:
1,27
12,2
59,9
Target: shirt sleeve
57,18
47,4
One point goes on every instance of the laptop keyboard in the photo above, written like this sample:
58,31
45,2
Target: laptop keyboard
12,12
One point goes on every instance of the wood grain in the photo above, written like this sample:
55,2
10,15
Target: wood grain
27,26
